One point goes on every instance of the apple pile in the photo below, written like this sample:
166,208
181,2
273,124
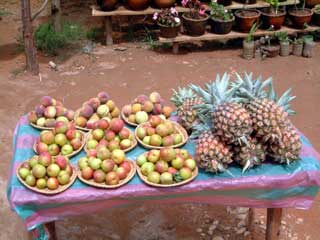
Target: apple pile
63,139
49,112
143,106
107,169
45,172
159,132
108,137
100,107
166,166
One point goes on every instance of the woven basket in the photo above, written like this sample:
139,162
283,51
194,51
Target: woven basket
39,127
145,179
178,128
71,154
47,191
103,185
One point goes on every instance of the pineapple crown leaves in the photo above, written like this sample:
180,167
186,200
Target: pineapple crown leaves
250,89
284,100
178,97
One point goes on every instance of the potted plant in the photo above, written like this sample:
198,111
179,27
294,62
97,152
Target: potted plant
300,16
248,43
164,3
273,16
297,46
245,18
316,15
138,4
168,21
195,20
284,43
267,49
221,20
308,46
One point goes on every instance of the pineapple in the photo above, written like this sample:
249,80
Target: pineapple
287,148
268,113
231,121
184,100
211,153
250,154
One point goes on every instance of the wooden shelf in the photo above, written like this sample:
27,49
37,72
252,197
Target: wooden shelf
233,34
122,10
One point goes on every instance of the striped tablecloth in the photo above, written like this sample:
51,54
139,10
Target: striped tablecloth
265,186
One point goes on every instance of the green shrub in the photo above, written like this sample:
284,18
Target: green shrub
94,33
49,41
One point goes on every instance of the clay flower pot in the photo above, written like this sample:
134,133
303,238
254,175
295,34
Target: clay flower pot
300,17
169,32
271,18
138,4
245,18
164,3
225,2
108,5
219,26
195,27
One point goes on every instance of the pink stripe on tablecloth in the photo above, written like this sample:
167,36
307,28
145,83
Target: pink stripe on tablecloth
24,120
25,141
21,196
52,214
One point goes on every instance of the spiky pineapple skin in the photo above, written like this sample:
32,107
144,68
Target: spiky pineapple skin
287,148
187,114
250,154
231,121
211,153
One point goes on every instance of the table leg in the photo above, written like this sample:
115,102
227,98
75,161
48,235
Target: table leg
175,48
274,216
51,229
108,25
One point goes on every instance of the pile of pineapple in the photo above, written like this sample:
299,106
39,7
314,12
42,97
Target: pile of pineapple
240,121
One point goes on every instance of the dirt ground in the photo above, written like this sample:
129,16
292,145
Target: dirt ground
125,74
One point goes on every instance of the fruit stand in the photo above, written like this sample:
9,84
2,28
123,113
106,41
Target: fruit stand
269,186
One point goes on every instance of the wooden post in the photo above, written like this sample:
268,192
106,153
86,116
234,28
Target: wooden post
274,216
56,13
108,24
32,64
175,48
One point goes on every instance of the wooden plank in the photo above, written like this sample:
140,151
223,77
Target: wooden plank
274,216
122,10
233,34
108,25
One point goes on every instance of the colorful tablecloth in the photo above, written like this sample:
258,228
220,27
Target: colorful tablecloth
266,186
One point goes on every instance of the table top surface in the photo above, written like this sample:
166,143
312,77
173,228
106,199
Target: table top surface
268,185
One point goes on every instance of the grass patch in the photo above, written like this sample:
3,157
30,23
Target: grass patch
49,41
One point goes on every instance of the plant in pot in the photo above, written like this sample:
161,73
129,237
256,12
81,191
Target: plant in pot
308,46
221,20
316,15
248,43
168,21
273,16
297,46
245,18
284,41
267,49
138,4
195,20
300,17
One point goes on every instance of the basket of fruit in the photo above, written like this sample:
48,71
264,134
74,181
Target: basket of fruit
100,107
46,175
143,107
48,113
167,167
108,137
158,133
64,139
112,172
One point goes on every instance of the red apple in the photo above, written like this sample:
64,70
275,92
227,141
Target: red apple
61,161
69,169
71,134
61,127
155,120
97,134
172,170
126,165
52,183
167,154
99,176
161,166
116,125
103,124
44,159
42,147
53,149
76,143
92,153
53,170
112,178
118,156
107,165
87,173
122,173
124,133
47,137
113,145
109,135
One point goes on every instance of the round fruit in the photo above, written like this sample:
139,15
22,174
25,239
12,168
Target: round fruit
122,172
177,138
99,176
147,168
63,179
83,162
172,170
103,153
24,172
87,173
167,111
33,161
53,170
153,155
155,120
116,125
185,173
98,134
146,140
141,132
52,183
155,140
91,144
161,166
118,156
162,130
167,154
126,165
107,165
66,149
39,171
141,117
53,149
30,180
41,183
124,133
190,163
95,163
112,178
61,161
154,177
178,162
141,160
166,178
47,137
136,107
